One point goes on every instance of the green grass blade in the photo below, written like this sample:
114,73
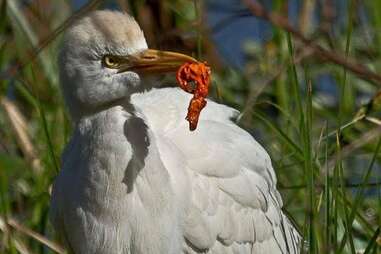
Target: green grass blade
295,82
45,128
22,22
373,242
291,145
359,196
347,223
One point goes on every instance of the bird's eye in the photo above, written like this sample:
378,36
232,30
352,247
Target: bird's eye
111,62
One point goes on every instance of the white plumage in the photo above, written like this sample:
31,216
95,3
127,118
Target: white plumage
135,180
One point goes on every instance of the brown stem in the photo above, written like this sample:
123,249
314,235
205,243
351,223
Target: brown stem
27,231
360,70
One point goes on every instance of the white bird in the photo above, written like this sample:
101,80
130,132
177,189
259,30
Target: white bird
134,179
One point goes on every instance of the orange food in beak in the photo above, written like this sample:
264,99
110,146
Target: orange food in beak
199,73
192,76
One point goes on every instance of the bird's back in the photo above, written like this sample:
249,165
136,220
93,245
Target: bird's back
234,206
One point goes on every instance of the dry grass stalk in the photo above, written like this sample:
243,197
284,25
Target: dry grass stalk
20,129
21,247
348,150
12,223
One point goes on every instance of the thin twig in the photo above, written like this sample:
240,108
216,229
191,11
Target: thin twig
373,120
360,70
358,143
38,237
343,127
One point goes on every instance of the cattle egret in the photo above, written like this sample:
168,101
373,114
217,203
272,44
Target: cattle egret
134,179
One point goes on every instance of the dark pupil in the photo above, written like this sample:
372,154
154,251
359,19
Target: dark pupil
111,61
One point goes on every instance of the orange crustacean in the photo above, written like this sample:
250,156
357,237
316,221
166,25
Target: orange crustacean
194,78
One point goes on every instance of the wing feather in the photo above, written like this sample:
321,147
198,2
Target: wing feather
234,206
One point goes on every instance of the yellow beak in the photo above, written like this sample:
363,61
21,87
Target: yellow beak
154,61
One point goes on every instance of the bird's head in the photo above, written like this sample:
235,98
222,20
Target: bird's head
103,60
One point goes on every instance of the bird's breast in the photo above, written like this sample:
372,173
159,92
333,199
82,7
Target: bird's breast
113,185
95,163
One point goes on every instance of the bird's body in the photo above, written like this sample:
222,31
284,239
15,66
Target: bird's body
135,180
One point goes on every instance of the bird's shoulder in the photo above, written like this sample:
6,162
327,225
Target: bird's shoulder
166,108
218,147
234,202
